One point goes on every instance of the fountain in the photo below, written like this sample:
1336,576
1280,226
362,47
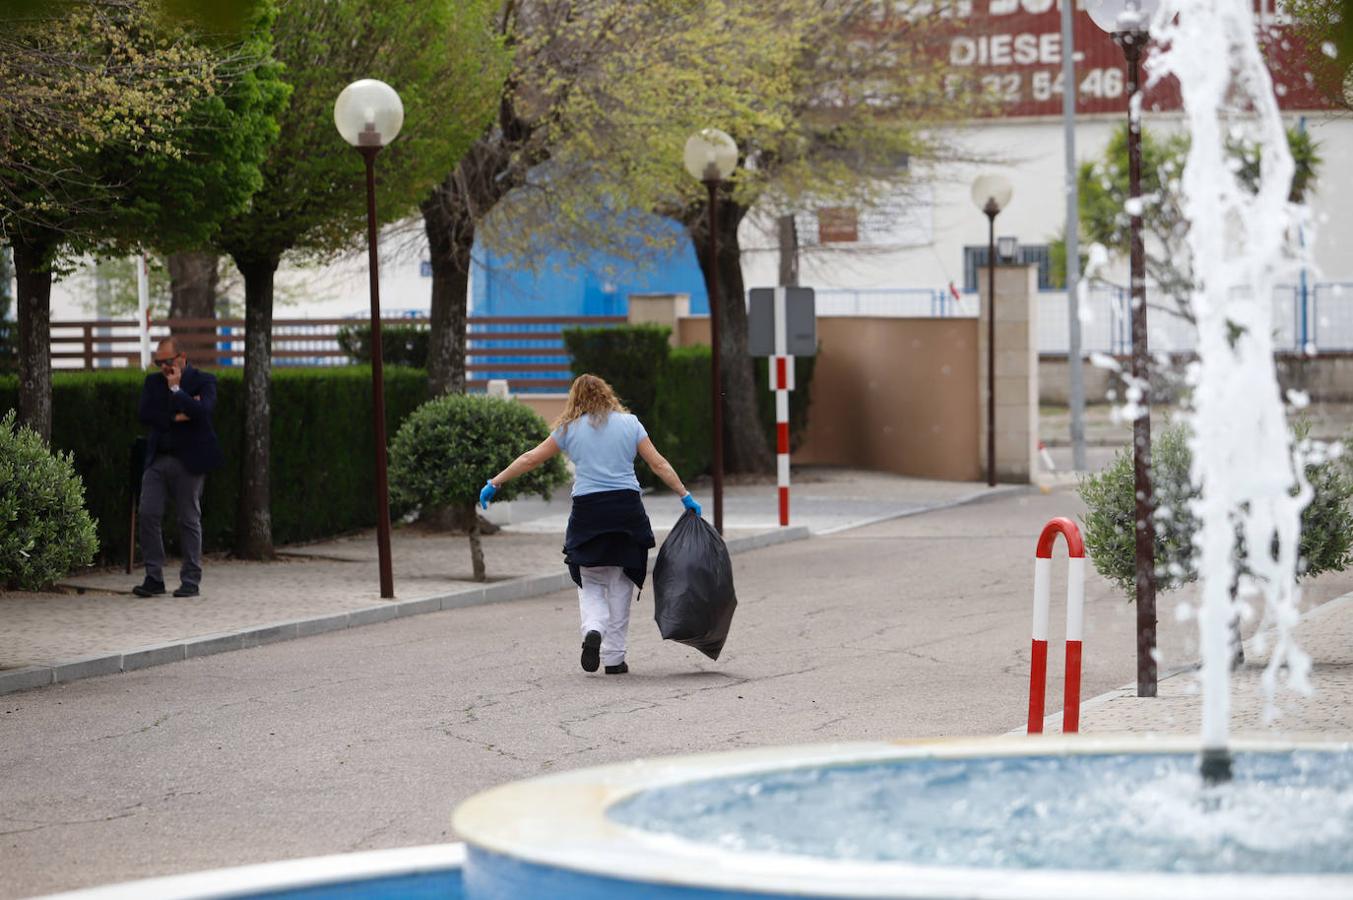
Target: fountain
1050,817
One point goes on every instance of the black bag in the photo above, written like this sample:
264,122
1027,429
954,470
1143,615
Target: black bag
693,597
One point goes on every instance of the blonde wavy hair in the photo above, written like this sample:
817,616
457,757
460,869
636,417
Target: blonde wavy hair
592,397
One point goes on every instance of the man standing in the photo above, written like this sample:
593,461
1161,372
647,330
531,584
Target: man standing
176,404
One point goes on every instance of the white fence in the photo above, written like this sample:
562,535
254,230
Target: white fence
1316,317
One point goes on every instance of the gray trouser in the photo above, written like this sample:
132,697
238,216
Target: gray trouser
166,478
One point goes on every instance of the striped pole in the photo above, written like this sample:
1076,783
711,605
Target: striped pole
1075,605
782,382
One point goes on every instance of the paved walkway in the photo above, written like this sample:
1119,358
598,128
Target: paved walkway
916,627
95,626
1325,633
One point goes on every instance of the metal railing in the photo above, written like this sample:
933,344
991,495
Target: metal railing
527,350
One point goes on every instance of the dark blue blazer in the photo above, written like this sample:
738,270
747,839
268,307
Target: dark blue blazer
194,441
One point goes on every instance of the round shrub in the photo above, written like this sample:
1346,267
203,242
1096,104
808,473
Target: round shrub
45,531
448,447
1110,538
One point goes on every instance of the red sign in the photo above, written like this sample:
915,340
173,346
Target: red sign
1012,50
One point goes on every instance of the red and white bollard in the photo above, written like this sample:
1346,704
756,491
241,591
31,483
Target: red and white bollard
782,382
1075,607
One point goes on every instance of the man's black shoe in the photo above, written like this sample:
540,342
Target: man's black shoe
619,669
186,590
148,588
591,658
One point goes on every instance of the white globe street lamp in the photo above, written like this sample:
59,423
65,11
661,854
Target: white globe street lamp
369,114
991,193
711,156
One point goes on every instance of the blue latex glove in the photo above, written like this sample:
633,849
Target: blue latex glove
689,502
487,494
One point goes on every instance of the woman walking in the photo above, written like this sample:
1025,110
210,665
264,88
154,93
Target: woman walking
609,536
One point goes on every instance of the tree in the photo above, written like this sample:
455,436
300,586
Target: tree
448,447
1104,194
840,113
445,62
598,107
1325,31
165,136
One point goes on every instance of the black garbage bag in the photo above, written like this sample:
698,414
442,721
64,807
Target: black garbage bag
693,596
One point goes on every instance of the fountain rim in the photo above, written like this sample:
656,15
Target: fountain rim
578,835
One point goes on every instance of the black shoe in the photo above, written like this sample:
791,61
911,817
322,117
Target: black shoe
149,588
186,590
620,669
591,659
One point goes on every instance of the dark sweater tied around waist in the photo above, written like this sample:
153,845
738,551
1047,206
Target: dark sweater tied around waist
609,528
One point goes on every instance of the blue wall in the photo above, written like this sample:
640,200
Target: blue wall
596,285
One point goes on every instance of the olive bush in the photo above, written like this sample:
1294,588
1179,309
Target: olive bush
1110,537
45,530
448,447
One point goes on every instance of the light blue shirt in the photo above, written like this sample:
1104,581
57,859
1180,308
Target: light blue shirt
603,456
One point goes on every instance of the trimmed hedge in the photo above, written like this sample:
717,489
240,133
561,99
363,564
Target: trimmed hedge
682,421
322,452
668,389
629,357
401,345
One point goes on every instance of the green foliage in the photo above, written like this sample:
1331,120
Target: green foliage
401,345
1326,523
323,456
124,128
442,58
1104,193
450,446
45,531
681,424
1317,26
629,357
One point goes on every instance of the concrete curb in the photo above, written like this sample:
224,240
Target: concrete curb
30,677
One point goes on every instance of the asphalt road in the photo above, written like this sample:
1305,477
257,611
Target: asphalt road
368,738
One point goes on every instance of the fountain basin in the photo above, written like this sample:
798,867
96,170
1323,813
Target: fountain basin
822,821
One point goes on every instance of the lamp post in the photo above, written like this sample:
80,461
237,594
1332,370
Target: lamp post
992,194
711,155
1128,22
369,114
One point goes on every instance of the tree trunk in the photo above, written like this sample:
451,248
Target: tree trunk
253,519
745,446
192,286
456,519
34,310
788,233
476,547
450,236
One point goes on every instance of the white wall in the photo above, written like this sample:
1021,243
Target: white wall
1030,153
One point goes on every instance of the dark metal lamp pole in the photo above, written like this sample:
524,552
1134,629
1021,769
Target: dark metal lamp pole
716,375
378,379
991,209
1132,41
711,156
368,114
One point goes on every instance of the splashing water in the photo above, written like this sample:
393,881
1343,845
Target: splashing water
1242,242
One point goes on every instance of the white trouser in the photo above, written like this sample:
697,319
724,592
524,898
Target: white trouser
604,603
